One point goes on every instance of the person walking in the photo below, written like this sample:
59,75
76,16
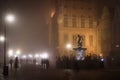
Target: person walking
16,64
11,63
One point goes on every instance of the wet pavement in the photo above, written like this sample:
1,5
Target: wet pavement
32,72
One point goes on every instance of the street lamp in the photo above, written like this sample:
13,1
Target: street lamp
10,53
36,55
68,46
24,56
2,38
44,56
18,52
8,18
30,55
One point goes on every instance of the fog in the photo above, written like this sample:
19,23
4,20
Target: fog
29,31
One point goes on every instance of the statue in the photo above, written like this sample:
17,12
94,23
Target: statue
80,50
79,41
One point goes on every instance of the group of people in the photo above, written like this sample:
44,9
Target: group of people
14,63
45,63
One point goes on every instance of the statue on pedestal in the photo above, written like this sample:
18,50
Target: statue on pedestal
80,50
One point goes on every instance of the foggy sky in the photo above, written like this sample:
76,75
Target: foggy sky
29,32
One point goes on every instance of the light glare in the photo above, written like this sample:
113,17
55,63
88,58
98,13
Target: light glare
36,55
10,53
30,55
10,18
24,57
44,55
18,52
2,38
68,46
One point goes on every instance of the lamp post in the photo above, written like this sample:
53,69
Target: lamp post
9,18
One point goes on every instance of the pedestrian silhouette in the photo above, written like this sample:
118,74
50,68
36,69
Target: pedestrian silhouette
16,64
11,62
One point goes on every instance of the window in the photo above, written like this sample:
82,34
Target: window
65,38
91,40
74,40
65,20
90,22
82,21
74,24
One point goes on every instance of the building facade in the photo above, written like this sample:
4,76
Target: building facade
73,18
96,24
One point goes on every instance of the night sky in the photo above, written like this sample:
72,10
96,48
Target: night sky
29,32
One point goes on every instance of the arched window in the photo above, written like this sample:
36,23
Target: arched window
74,22
82,22
65,20
90,22
74,39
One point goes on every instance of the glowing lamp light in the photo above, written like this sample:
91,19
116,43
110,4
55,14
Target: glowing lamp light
2,38
102,59
18,52
10,53
10,18
101,55
30,56
44,55
68,46
36,55
41,55
24,56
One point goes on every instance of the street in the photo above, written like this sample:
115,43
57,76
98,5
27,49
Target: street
32,72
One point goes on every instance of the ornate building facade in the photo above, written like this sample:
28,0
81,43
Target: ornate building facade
88,18
73,17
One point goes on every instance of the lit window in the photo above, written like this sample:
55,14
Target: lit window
90,22
74,40
74,24
65,21
82,22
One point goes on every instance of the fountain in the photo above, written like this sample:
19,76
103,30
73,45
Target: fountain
79,49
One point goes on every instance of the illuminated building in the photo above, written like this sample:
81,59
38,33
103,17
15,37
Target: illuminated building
73,17
84,17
